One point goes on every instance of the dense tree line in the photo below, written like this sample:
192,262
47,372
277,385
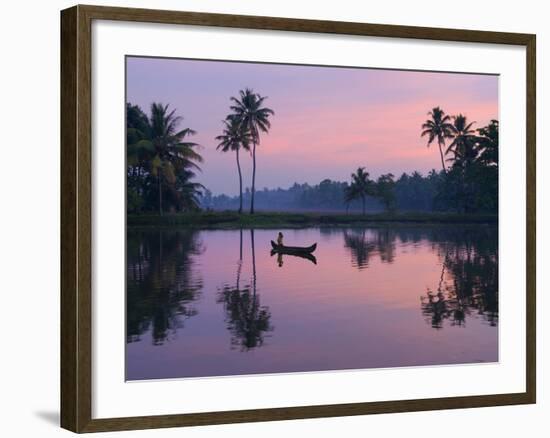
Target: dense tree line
468,183
162,164
412,192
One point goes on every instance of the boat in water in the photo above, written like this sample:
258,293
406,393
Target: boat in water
293,249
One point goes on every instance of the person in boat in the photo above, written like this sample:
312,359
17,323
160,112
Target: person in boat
280,239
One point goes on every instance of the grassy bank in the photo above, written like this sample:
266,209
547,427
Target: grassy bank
231,219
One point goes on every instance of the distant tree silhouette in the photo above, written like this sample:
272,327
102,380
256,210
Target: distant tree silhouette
361,187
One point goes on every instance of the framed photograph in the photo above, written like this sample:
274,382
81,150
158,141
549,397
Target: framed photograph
268,218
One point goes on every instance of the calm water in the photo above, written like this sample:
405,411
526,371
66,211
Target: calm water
215,302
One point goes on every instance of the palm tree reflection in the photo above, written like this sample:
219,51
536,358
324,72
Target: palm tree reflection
161,283
469,280
363,244
247,320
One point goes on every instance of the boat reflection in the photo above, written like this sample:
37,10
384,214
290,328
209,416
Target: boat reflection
280,260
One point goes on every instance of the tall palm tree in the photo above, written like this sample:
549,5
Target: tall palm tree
233,138
361,186
463,146
439,128
172,152
252,115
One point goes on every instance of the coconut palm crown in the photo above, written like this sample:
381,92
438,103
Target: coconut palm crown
234,137
463,146
172,154
438,127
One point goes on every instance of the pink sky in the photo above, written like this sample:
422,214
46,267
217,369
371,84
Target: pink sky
328,120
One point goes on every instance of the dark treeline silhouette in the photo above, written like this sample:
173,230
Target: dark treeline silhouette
162,164
161,282
412,192
468,185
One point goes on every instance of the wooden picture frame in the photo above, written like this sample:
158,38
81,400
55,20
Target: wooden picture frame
76,217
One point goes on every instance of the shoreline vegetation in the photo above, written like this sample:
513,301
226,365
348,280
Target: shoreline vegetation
263,219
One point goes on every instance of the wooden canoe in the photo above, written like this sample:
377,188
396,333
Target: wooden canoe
293,249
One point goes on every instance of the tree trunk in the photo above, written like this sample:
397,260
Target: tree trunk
442,160
253,263
240,184
253,178
160,193
240,263
241,244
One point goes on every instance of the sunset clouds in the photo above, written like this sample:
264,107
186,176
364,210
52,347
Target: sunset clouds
328,121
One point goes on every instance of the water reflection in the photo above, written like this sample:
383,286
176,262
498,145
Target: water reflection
198,299
365,243
468,282
162,284
247,320
280,258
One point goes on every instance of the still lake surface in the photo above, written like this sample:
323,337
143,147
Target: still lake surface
216,302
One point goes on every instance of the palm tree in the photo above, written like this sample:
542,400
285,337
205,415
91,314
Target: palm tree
438,128
254,117
350,194
385,190
233,138
172,153
188,192
464,141
361,186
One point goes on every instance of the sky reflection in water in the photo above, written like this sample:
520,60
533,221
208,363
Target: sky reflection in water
216,302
